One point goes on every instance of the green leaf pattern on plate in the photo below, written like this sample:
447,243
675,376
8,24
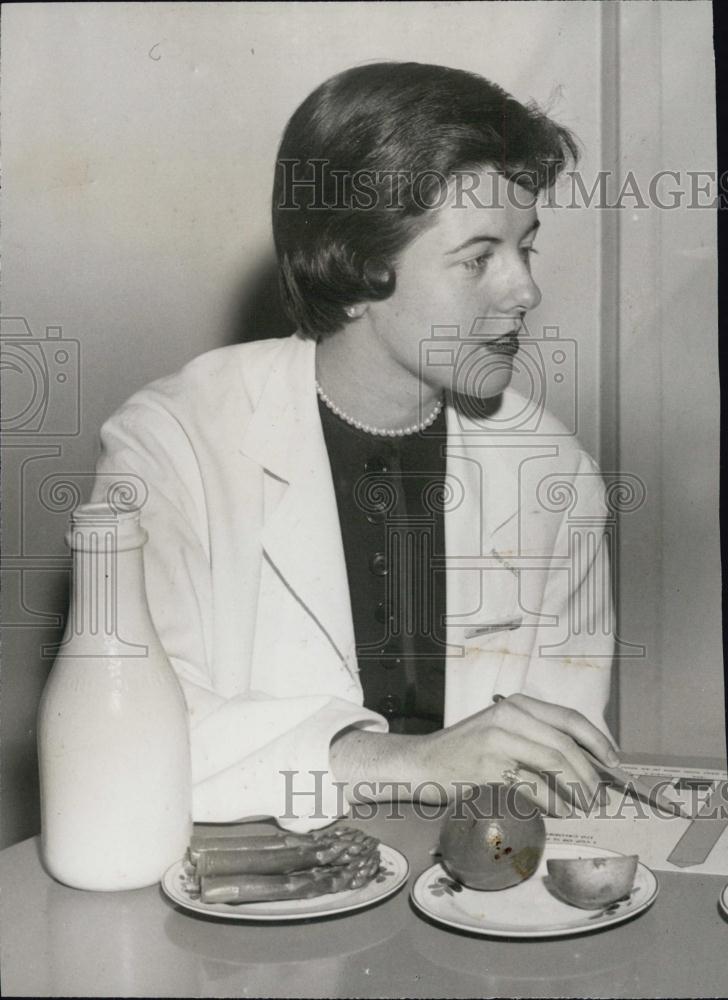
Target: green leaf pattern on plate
444,886
614,907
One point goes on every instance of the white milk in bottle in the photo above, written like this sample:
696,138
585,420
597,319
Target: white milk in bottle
113,741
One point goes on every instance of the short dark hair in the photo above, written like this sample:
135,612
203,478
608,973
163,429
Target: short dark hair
389,131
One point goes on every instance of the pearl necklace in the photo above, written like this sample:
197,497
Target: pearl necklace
382,432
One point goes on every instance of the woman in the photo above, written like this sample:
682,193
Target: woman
353,561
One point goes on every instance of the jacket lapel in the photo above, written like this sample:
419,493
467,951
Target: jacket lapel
301,534
481,530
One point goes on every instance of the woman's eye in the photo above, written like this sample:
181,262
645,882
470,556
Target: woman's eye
478,263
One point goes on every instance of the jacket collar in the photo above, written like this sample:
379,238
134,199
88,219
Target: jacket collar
280,434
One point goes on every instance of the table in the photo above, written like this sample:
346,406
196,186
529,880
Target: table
58,941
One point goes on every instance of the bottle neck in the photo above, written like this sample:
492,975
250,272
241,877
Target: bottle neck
108,600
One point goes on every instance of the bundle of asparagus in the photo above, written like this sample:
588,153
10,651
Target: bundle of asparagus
279,866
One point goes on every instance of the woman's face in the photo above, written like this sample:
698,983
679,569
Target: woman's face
463,287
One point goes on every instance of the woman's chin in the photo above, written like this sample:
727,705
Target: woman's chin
491,387
476,407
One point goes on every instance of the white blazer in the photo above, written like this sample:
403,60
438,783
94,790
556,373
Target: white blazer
247,585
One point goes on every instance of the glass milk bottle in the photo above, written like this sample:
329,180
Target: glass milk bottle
113,742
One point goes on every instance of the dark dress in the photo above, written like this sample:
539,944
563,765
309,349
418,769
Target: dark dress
389,494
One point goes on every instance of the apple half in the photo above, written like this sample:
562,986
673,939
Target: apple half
592,883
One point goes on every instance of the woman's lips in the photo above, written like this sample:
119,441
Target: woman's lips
507,344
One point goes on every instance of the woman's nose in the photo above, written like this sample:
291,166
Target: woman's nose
521,291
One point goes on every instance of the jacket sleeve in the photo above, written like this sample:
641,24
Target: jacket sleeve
572,652
252,754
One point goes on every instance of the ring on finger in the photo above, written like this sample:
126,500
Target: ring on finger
511,775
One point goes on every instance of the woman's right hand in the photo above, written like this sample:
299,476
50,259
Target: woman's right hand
539,740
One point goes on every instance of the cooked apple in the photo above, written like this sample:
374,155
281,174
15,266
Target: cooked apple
592,883
494,840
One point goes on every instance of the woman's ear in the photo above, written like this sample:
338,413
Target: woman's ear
356,310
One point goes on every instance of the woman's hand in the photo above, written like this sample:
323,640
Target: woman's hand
540,741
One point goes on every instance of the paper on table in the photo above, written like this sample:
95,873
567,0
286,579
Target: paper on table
633,827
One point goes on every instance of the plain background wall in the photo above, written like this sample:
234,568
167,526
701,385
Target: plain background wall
667,386
138,146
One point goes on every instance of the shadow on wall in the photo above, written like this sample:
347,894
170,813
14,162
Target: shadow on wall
257,311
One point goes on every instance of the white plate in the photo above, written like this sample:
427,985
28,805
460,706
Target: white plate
527,909
724,899
393,872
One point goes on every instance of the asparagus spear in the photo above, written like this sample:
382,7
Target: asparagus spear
278,855
296,885
200,843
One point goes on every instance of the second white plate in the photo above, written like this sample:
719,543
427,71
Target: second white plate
527,909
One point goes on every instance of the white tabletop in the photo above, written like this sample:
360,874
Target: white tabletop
58,941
